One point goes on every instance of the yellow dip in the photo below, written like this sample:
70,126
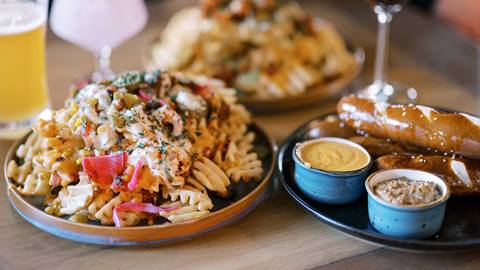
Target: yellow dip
332,156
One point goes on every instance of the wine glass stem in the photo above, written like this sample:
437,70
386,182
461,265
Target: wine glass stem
102,67
381,57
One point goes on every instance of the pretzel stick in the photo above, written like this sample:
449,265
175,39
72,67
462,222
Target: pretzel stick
453,133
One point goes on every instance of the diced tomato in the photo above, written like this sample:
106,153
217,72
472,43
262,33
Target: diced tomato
139,207
103,169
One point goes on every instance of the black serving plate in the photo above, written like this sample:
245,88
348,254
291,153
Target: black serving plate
460,229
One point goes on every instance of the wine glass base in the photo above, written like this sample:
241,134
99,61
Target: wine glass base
98,76
390,92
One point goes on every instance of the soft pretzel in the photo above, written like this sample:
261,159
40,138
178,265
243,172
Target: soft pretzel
461,175
377,147
453,133
330,126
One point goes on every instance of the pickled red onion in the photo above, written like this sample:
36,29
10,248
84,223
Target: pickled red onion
135,181
138,207
103,169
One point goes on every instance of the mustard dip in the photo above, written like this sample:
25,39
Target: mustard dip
332,156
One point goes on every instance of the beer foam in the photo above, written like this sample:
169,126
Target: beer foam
18,18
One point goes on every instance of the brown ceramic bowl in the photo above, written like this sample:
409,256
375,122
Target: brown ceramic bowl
246,198
314,95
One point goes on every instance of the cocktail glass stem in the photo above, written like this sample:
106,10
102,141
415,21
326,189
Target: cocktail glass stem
381,57
382,89
102,66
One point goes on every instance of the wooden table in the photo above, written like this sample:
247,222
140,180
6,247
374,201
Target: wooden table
278,234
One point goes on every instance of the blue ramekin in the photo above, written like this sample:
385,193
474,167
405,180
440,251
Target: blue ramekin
416,222
330,187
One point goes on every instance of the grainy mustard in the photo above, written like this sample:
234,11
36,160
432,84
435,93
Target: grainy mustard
404,191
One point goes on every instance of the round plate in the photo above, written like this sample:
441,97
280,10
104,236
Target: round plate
315,94
460,230
246,197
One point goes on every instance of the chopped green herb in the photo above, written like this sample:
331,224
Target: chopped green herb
130,118
163,147
84,123
180,137
167,172
129,80
105,82
117,180
151,77
20,161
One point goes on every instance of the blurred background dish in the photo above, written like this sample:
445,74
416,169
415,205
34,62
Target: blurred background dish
276,55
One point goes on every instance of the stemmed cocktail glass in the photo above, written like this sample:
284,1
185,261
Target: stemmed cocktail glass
98,26
381,89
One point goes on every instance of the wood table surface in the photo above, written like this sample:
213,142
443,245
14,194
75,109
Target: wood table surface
425,54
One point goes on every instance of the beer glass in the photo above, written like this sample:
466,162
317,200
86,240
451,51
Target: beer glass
23,84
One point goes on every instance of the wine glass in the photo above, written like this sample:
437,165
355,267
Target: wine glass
98,26
381,89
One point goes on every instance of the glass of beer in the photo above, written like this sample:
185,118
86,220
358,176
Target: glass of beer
23,85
